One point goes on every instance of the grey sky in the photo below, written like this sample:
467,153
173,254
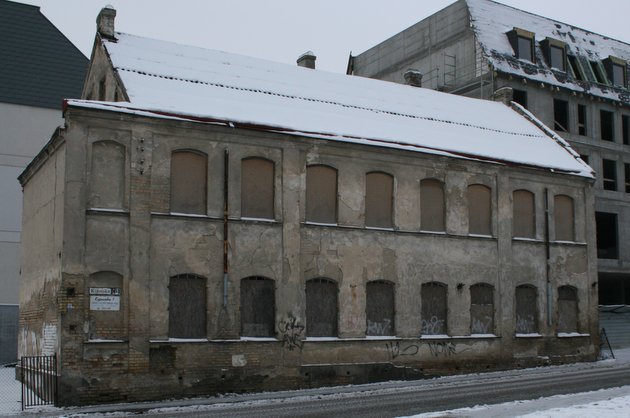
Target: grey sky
280,30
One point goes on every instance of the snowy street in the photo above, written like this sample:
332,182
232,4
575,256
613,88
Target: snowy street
585,389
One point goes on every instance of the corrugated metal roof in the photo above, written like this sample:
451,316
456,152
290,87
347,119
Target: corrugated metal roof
39,66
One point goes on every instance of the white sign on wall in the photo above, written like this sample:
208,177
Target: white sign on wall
104,298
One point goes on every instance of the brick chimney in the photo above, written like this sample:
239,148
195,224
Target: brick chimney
307,60
413,77
105,22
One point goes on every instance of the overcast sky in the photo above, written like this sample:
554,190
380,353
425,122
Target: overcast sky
281,30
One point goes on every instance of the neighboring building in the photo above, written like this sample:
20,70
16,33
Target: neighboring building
39,67
209,222
571,79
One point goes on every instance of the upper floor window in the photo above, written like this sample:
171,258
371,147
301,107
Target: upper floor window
321,194
525,48
625,129
575,67
479,210
522,43
432,206
561,115
563,218
607,242
524,214
257,188
257,307
189,182
582,123
379,200
520,97
609,174
607,125
107,175
555,53
617,71
597,72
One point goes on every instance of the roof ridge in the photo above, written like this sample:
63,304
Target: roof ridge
331,102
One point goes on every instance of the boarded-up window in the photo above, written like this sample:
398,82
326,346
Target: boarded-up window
187,307
434,309
567,309
107,178
189,182
257,189
107,306
526,310
379,308
432,205
257,307
321,194
479,210
524,216
321,308
563,218
379,195
481,309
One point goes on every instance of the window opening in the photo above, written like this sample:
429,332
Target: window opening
257,188
567,309
525,48
379,307
257,307
379,192
187,306
520,97
627,177
524,216
557,57
189,182
434,309
526,310
107,175
561,115
607,125
321,194
625,129
607,242
584,158
563,218
479,210
101,90
599,76
321,308
610,174
481,309
432,206
618,75
575,68
582,120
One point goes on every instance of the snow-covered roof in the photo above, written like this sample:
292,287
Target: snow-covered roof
491,21
164,79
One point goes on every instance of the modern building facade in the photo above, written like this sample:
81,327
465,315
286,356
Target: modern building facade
207,222
40,67
571,79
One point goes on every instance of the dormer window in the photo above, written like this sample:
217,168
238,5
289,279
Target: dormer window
575,67
522,42
597,72
617,71
555,53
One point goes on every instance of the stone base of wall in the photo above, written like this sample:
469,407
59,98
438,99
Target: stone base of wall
185,369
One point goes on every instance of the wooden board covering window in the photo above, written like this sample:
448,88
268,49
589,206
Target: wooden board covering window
524,214
526,310
321,308
479,210
379,308
481,309
321,194
187,307
189,182
257,307
432,207
563,218
379,192
107,176
434,309
257,188
567,309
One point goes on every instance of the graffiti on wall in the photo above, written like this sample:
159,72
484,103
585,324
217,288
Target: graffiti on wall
292,333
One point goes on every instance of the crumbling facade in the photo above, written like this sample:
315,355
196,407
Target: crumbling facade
179,251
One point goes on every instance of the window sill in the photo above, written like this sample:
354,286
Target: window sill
107,210
181,340
435,337
560,242
378,228
105,341
524,239
532,335
480,236
477,336
266,220
188,215
572,335
311,223
259,339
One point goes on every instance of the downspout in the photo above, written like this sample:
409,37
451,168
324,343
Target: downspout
226,158
548,260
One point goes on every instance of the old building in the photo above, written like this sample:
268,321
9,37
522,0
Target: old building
571,79
39,68
209,222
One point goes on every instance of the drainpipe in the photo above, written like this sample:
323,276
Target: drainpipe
548,260
226,158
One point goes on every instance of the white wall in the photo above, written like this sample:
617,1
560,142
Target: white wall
24,131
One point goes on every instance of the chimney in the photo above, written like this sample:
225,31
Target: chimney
413,77
105,22
504,95
307,60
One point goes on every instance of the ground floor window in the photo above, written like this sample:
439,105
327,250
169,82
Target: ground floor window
321,308
379,308
187,306
434,309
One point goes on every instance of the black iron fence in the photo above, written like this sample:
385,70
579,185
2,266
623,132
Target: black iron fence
39,380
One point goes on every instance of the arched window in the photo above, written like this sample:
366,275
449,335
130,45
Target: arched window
321,308
379,308
379,200
434,309
481,309
257,188
106,306
107,177
563,218
567,309
479,210
189,182
524,214
321,194
526,309
187,306
432,205
257,307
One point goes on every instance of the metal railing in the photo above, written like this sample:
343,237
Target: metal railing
39,380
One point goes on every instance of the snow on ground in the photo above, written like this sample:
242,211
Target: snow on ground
10,392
